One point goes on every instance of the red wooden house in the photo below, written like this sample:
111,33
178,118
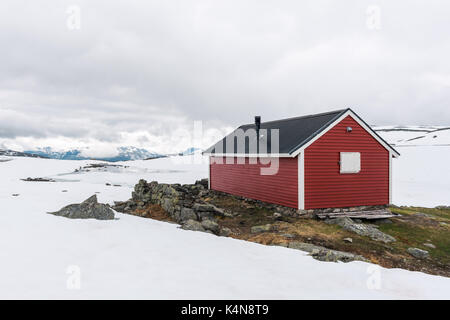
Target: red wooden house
325,160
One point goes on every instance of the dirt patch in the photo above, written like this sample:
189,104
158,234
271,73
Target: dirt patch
154,211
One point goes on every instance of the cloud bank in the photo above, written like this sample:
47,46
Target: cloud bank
139,73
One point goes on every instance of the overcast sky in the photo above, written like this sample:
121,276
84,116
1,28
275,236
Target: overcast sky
141,72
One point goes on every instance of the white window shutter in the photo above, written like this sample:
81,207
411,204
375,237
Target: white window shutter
350,162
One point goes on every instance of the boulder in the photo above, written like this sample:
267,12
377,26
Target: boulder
259,229
325,254
187,214
430,245
361,229
200,207
225,232
308,247
211,226
192,225
418,253
88,209
335,256
202,182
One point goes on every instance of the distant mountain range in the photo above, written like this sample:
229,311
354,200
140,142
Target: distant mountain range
123,154
12,153
190,151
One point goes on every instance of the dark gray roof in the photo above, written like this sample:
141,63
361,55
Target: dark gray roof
293,134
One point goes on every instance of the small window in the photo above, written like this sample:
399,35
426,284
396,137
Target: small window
350,162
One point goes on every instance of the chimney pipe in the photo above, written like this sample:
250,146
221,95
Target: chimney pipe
258,126
258,122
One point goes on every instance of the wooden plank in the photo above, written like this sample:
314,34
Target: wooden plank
373,214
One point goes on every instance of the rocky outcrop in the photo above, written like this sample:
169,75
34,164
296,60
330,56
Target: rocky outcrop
418,253
183,203
29,179
325,254
362,229
88,209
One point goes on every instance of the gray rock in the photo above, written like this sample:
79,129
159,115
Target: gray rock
325,254
207,211
418,253
199,207
187,214
210,225
192,225
362,229
335,256
349,240
259,229
88,209
277,215
288,235
430,245
308,247
225,232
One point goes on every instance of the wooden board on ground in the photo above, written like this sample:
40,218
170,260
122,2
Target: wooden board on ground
373,214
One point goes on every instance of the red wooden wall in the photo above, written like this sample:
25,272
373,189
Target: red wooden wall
325,187
245,180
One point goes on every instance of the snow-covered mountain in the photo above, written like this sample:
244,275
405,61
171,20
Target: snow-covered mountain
123,154
408,136
12,153
190,151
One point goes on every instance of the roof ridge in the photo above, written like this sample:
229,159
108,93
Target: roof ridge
300,117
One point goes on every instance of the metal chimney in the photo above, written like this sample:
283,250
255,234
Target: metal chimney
258,126
258,122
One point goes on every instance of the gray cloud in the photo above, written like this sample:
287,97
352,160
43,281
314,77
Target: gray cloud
156,66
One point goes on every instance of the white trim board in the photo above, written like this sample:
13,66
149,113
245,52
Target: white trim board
335,122
390,178
301,181
209,172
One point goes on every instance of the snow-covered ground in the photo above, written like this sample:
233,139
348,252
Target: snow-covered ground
44,256
421,175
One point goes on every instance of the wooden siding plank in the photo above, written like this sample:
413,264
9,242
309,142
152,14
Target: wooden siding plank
326,187
246,180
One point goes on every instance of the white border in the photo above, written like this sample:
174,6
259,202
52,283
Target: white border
301,181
